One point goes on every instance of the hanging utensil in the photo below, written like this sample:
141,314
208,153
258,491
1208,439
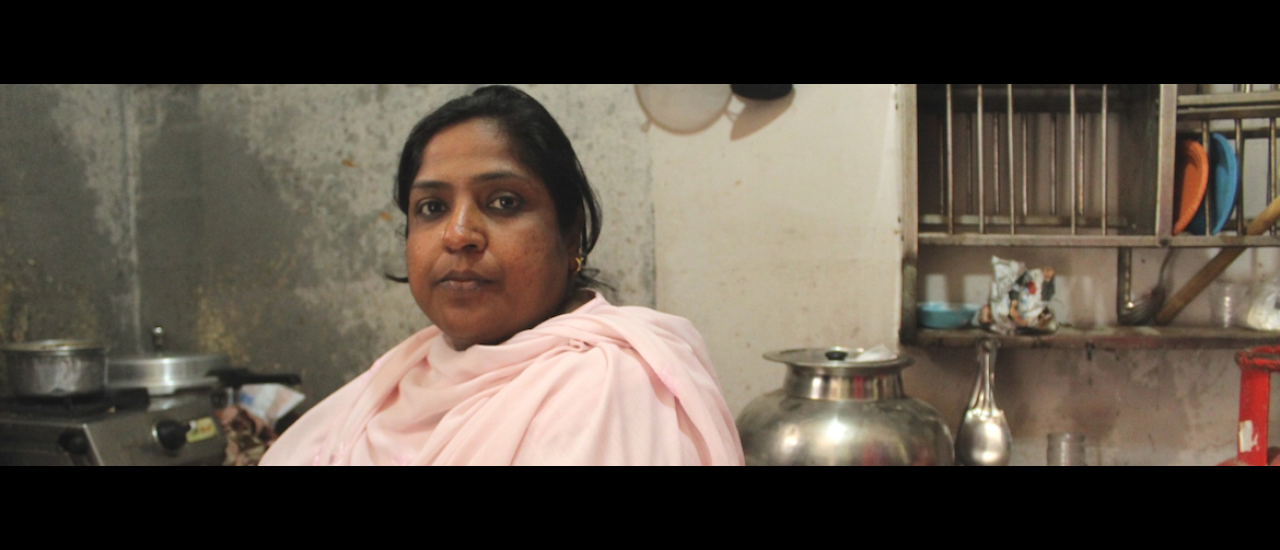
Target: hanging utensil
984,438
1132,312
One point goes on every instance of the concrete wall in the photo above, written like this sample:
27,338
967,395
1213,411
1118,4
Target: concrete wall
68,267
257,221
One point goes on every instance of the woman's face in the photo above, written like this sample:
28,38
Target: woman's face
486,259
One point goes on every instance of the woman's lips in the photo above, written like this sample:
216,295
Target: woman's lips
462,285
462,281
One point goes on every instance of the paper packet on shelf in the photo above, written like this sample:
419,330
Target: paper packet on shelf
1263,307
268,401
1019,302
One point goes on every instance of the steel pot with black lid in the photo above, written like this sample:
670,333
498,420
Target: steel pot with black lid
843,406
167,373
163,372
55,368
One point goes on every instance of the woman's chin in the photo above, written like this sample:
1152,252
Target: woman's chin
462,334
461,342
484,319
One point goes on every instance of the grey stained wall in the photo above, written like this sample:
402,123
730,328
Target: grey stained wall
255,221
68,267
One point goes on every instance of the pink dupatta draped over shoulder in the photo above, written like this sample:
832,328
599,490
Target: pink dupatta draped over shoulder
602,385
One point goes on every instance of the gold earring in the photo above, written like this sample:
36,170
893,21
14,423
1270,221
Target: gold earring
581,261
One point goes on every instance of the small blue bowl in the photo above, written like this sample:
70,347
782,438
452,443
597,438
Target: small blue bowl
945,315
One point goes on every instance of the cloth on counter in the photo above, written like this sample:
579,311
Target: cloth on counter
602,385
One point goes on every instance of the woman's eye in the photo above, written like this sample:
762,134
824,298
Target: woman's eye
431,207
505,202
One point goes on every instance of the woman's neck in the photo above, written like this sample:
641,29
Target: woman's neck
575,299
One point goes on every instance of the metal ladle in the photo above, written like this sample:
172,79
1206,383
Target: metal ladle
984,438
1131,312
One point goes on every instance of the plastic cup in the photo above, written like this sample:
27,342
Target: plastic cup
1066,449
1226,302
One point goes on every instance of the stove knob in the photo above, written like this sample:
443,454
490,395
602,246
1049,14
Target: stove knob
74,442
172,435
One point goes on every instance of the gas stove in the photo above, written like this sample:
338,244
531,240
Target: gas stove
112,428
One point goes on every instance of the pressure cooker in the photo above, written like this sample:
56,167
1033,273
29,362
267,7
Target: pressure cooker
169,375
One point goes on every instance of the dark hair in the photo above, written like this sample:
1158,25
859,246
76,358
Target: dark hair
537,141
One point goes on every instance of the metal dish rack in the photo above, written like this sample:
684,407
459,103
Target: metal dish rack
1071,166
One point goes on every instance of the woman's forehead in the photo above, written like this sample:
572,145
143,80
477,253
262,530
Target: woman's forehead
473,151
473,139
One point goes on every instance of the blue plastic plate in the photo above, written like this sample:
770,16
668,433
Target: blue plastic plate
944,315
1223,173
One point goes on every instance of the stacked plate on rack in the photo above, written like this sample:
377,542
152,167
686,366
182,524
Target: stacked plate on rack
1205,186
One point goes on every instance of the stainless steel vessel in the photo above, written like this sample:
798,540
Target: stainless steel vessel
984,438
55,368
166,373
833,410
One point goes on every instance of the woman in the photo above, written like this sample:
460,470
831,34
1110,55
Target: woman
523,364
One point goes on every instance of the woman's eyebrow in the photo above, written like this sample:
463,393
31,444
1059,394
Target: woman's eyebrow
430,185
500,175
486,177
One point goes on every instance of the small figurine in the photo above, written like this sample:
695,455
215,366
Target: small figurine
1019,302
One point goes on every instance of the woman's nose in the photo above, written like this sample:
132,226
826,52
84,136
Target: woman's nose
464,229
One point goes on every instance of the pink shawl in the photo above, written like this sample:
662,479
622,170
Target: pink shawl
600,385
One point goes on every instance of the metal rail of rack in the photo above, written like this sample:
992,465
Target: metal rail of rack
1072,166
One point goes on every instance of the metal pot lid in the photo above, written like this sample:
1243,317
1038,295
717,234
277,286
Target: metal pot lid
54,346
163,388
836,357
165,373
192,361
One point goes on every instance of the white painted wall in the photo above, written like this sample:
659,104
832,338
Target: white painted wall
787,237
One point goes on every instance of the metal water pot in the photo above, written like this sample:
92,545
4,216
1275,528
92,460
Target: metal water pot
835,411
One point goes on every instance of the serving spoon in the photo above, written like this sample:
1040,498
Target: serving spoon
983,438
1131,312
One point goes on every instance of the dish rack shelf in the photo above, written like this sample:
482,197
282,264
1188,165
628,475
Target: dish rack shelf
1074,166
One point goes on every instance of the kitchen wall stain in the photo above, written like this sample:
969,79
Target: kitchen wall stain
6,305
295,240
254,256
67,261
166,128
212,333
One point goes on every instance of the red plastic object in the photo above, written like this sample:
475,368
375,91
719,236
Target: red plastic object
1256,366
